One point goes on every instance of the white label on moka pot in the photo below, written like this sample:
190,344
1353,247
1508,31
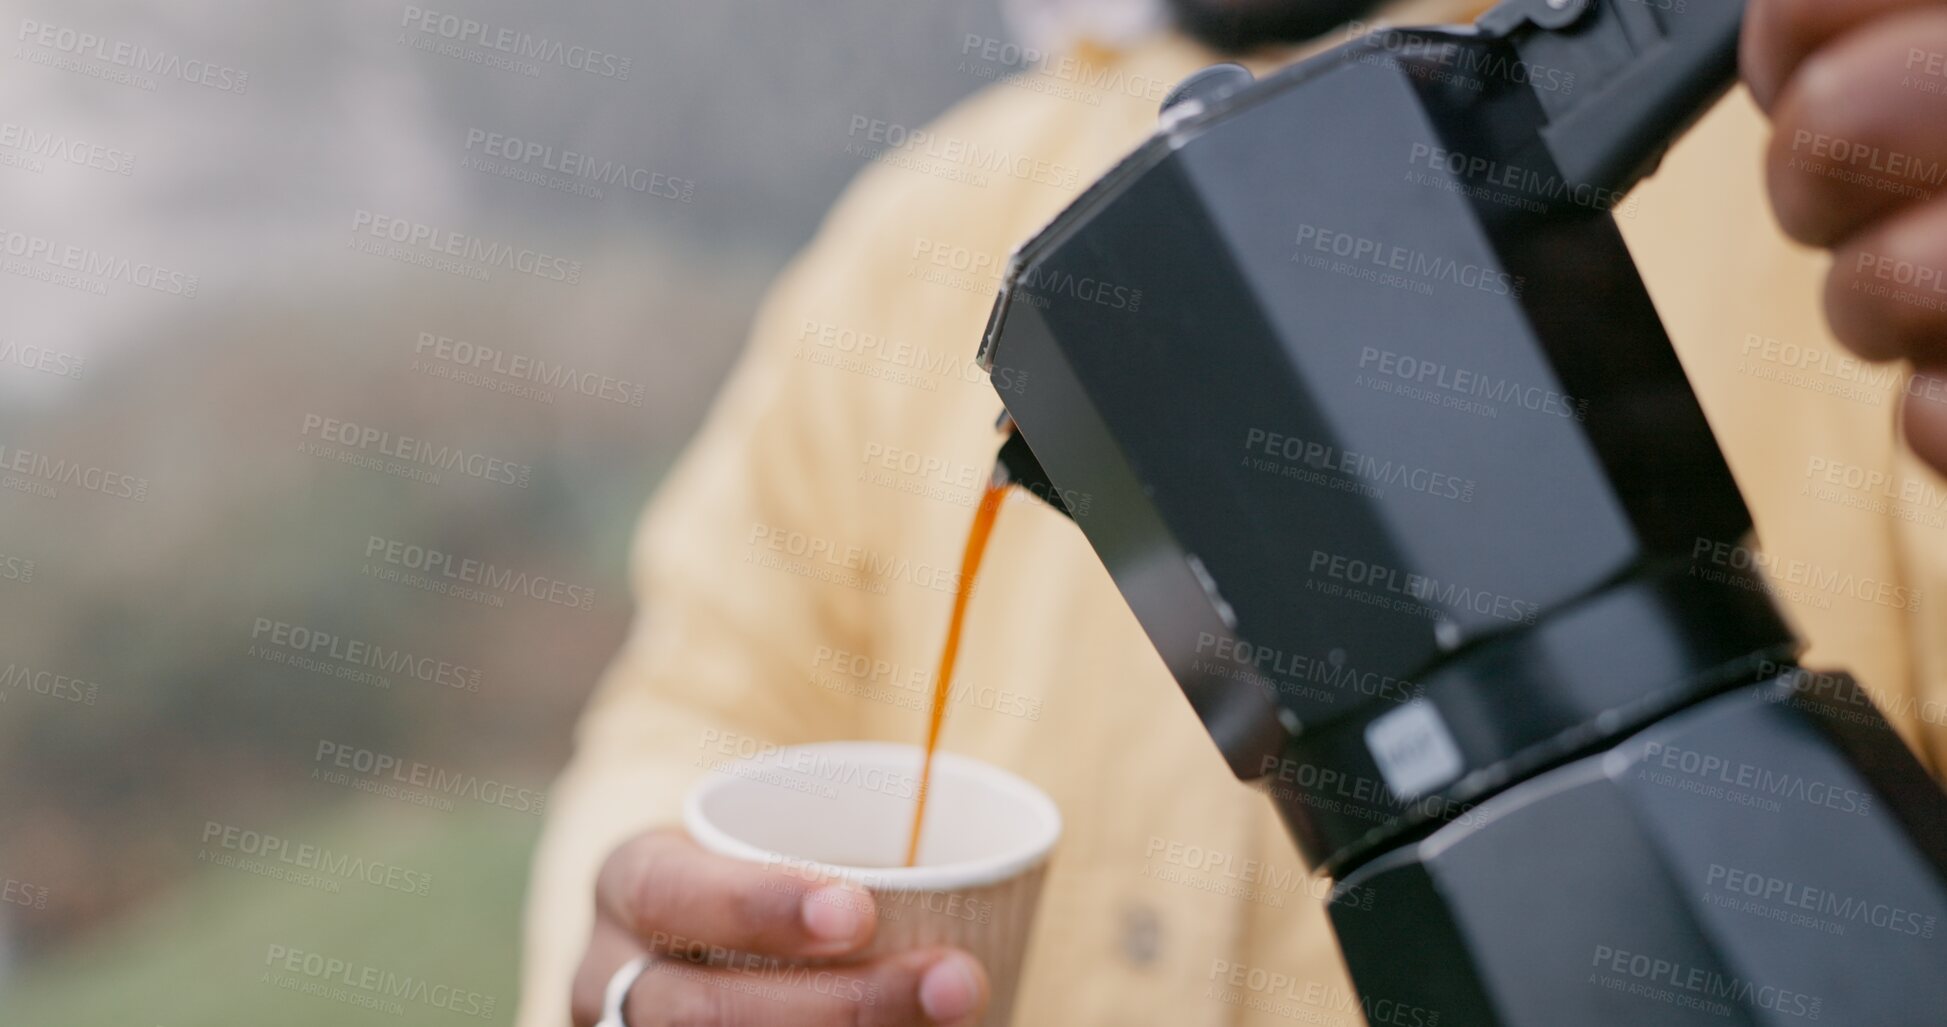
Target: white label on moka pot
1414,750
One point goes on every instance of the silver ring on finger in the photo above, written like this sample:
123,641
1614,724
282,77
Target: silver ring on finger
615,1001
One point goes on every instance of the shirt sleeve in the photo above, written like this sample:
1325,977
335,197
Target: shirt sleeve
733,586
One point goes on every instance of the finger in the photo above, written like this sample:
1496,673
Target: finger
609,948
1854,140
920,988
1780,34
1886,295
1924,417
673,896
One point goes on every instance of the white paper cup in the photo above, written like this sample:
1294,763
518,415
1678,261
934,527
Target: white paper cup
843,811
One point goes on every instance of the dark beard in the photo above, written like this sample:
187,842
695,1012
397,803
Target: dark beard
1240,26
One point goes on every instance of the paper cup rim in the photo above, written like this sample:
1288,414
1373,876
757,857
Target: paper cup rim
957,876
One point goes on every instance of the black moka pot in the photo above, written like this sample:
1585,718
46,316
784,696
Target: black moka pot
1397,468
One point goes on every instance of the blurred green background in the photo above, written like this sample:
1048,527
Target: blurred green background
152,729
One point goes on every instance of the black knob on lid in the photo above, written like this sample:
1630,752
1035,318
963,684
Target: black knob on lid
1208,84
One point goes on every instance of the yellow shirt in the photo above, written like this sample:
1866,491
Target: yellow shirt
795,572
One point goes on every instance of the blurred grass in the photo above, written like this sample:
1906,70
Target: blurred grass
197,956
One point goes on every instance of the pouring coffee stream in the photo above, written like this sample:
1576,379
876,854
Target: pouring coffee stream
977,535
